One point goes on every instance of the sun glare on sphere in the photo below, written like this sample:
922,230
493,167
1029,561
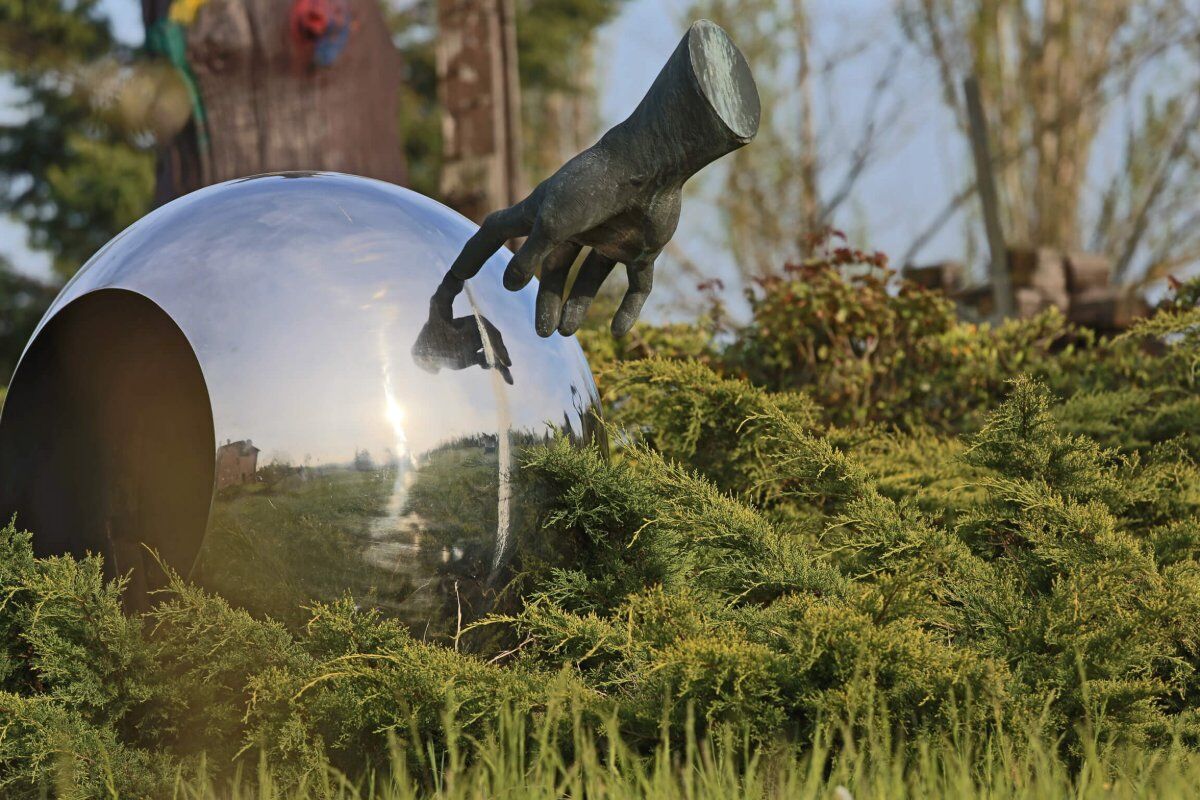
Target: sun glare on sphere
394,413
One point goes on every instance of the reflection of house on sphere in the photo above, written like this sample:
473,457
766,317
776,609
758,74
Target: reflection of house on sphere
281,313
237,463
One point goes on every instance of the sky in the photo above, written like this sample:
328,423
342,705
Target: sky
927,160
894,200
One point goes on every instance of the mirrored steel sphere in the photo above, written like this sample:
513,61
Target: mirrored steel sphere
268,385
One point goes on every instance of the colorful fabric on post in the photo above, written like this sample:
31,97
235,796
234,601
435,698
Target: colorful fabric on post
167,38
184,11
321,29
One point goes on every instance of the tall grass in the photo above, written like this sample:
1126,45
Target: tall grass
833,764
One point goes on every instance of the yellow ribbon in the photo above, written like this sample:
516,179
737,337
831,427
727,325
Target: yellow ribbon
184,11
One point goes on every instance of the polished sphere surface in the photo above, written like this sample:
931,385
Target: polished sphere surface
260,385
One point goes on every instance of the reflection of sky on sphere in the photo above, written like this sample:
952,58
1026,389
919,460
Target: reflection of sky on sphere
303,298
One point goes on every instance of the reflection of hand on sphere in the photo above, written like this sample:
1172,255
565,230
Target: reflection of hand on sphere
457,342
621,197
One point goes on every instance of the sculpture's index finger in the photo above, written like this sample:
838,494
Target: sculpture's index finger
497,228
555,270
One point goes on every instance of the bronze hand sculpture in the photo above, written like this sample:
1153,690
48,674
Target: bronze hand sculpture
621,197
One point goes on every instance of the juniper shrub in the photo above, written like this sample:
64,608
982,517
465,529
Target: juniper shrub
997,552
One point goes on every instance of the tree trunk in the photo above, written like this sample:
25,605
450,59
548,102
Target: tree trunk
481,105
268,108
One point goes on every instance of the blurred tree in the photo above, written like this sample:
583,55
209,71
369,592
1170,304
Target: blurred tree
73,179
22,302
1052,74
779,196
414,29
557,44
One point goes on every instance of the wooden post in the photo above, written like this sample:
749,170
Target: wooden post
269,109
512,102
481,107
985,181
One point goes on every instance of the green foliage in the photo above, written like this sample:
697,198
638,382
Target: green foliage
94,698
48,35
675,341
552,36
1020,765
1064,565
22,303
1144,382
414,28
657,401
73,689
703,604
72,180
835,327
306,554
96,186
868,348
999,555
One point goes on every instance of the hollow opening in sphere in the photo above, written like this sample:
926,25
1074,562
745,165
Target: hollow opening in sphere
107,442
